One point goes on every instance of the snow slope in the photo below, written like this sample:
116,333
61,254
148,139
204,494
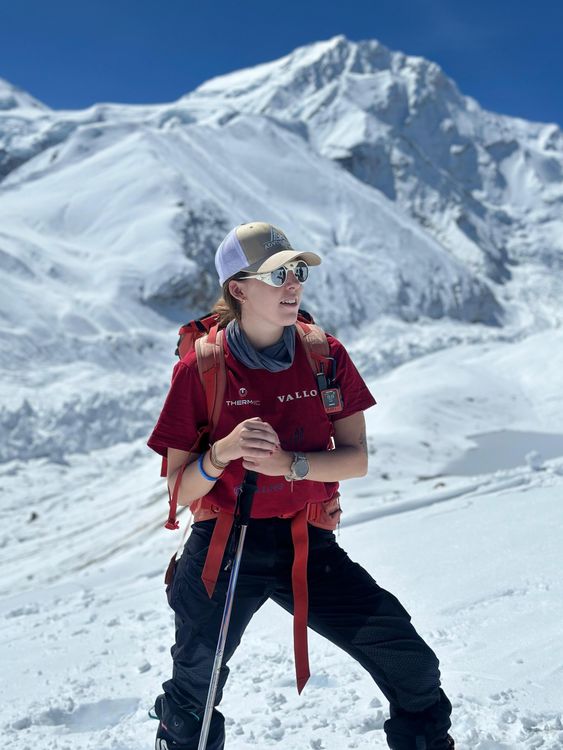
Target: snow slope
440,225
475,558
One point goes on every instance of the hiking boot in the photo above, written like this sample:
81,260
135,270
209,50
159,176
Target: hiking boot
179,728
402,734
424,730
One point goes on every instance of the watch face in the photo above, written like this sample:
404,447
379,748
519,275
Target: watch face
301,467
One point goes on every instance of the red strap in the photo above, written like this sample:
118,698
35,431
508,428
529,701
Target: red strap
300,536
216,550
172,523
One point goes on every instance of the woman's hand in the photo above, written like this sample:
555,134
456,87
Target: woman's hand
251,440
275,465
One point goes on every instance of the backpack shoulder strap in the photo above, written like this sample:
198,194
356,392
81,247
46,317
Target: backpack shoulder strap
212,371
316,346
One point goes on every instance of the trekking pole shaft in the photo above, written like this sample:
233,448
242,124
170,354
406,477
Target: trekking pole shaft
249,487
212,692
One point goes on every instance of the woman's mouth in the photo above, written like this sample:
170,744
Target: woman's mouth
290,302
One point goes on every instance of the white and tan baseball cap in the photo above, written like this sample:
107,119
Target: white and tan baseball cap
256,247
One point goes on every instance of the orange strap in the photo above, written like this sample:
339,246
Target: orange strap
300,536
212,371
172,523
216,550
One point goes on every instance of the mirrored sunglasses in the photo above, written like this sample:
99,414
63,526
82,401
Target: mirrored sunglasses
279,275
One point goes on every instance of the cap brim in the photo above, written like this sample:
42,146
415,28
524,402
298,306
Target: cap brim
278,259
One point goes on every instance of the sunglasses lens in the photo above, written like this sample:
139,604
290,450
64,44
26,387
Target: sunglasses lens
278,276
301,272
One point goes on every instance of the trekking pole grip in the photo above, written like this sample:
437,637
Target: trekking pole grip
248,488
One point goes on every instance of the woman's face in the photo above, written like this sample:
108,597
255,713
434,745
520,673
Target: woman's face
274,305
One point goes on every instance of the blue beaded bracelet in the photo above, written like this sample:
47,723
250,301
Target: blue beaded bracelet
202,471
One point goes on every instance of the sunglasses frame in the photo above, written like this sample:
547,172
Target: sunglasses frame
266,276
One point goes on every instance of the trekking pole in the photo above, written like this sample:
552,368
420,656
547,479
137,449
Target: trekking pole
244,506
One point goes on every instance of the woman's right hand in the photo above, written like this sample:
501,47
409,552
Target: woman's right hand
252,438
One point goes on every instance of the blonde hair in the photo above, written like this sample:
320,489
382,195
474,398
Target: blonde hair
227,307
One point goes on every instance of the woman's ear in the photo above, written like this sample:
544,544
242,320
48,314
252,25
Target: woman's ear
237,291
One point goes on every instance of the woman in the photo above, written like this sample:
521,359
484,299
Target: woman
276,419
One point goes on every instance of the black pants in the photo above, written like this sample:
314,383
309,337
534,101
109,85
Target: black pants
346,606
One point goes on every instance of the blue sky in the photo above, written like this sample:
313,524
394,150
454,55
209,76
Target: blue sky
73,53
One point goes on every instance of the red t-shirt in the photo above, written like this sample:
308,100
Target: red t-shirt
287,400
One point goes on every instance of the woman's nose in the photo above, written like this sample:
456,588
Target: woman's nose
292,279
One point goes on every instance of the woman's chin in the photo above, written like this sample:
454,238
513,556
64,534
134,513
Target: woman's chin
289,316
289,309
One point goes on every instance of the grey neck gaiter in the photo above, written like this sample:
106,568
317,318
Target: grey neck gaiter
274,358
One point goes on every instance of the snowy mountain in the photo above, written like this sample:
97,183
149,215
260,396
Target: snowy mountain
441,228
487,187
110,217
12,98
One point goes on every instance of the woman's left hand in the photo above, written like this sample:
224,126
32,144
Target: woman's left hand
277,464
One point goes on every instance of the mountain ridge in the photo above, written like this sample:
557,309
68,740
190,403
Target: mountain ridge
402,126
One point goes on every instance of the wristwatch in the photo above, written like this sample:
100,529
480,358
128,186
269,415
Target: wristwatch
299,467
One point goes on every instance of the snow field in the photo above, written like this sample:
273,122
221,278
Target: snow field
475,558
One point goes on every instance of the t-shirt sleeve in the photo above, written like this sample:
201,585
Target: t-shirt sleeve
355,393
184,412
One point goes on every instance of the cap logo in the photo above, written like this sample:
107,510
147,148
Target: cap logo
276,238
